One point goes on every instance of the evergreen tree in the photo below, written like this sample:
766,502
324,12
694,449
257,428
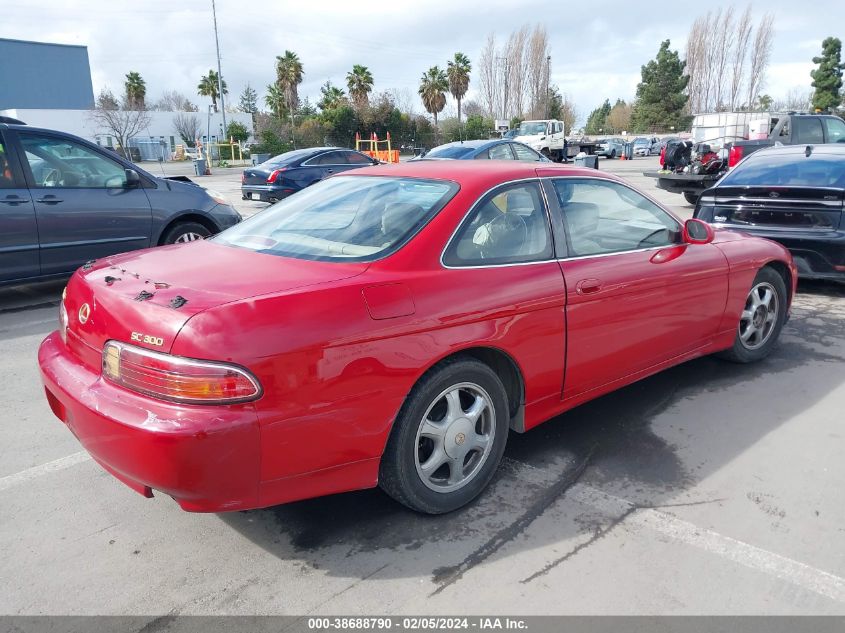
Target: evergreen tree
249,100
827,78
596,122
660,94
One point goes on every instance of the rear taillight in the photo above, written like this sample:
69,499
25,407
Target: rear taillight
243,178
273,175
177,379
662,157
734,155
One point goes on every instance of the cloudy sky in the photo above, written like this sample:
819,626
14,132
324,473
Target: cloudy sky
597,47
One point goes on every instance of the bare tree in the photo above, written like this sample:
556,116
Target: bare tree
740,51
761,50
174,101
722,50
538,72
796,100
568,113
487,76
123,124
696,59
187,126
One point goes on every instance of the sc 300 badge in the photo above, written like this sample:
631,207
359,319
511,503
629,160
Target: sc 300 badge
139,337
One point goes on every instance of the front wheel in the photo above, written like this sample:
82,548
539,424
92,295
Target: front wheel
613,153
186,232
448,438
761,320
691,197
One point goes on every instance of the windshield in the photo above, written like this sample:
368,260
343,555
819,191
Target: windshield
532,128
345,218
449,151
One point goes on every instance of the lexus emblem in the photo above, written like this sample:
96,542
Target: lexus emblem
459,438
774,194
84,313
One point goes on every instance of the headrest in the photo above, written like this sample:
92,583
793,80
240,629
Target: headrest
398,217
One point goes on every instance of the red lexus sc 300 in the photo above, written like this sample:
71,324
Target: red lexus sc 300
390,327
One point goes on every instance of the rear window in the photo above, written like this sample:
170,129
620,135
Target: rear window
452,151
798,170
343,218
288,157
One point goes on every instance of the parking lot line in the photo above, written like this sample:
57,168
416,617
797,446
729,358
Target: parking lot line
43,469
656,520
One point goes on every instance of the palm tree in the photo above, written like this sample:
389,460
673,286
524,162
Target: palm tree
433,87
332,97
136,91
275,100
288,77
360,83
209,86
458,73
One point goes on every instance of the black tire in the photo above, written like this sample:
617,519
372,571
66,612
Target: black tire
545,152
399,474
691,197
742,352
185,232
613,153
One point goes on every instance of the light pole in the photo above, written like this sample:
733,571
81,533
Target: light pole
548,85
219,71
208,136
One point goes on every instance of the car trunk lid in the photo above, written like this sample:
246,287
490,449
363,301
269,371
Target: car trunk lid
779,208
144,298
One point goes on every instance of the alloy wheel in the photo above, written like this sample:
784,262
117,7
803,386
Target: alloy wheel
758,318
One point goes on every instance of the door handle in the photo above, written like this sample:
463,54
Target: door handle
13,199
49,199
330,171
588,286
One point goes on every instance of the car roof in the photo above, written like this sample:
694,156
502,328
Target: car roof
486,173
837,149
473,144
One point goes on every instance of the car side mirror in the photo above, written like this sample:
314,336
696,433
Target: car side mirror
132,179
698,232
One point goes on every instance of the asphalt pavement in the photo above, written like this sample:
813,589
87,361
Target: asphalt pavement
711,488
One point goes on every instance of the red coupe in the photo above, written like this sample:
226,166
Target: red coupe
390,327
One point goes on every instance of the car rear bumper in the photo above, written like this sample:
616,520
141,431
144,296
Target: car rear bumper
206,458
265,193
817,254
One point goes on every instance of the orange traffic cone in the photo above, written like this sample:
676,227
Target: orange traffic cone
622,156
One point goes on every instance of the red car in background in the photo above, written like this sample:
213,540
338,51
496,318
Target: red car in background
390,327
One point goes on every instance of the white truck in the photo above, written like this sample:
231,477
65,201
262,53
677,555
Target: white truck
546,136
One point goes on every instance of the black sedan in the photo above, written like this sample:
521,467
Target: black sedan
496,149
791,194
290,172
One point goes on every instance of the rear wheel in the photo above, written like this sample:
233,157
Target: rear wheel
691,197
185,232
448,438
761,320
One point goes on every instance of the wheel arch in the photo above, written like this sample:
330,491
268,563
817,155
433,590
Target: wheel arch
187,217
786,274
505,366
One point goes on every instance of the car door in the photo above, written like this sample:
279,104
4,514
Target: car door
637,295
18,229
84,206
322,166
525,153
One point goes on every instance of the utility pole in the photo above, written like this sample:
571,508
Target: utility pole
548,85
219,71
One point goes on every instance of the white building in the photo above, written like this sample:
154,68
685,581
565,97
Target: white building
159,139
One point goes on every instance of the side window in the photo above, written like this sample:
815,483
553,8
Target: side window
808,131
835,129
525,153
784,131
606,217
500,152
59,162
354,158
507,226
329,158
7,179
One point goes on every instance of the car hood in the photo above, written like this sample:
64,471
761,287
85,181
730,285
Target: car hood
528,138
146,297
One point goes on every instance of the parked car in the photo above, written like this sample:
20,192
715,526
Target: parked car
496,149
611,147
64,201
292,171
641,146
791,194
389,326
